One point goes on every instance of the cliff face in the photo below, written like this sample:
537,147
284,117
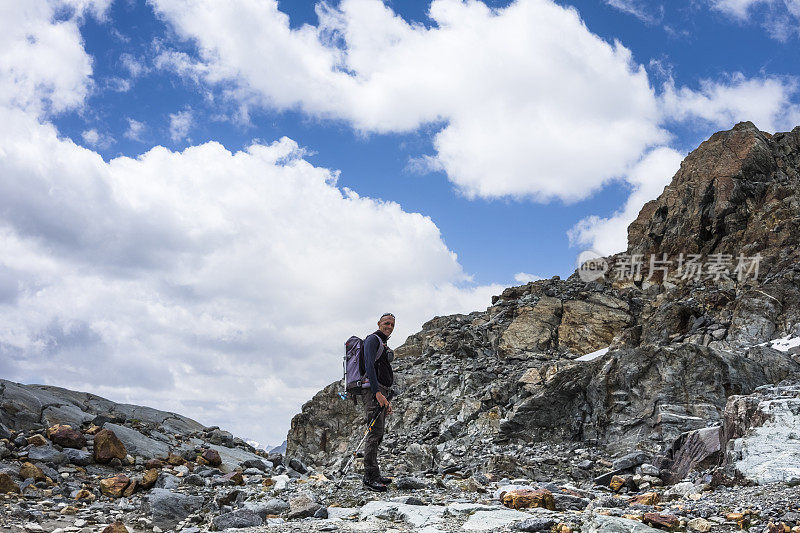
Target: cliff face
736,193
622,362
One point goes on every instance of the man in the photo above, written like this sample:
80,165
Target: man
379,378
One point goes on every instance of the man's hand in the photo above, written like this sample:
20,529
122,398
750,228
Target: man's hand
383,402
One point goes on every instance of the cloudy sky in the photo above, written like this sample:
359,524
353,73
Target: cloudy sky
201,200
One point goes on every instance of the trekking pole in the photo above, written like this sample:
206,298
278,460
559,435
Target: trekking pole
343,471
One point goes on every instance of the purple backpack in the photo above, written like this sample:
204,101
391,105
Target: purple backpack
355,379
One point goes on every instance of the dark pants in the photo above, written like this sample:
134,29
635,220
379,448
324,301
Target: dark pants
372,409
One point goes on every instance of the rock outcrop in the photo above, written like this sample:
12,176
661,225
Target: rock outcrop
621,362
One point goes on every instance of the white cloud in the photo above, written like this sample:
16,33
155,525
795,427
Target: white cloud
135,66
179,124
524,277
648,178
135,130
43,66
644,11
780,18
96,139
766,101
533,104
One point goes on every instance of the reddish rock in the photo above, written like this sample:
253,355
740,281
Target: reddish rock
114,486
30,470
116,527
84,494
66,436
661,521
8,485
130,489
153,463
37,440
149,479
527,498
648,498
235,478
107,446
211,457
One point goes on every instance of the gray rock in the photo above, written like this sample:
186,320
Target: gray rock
256,463
137,444
302,505
534,524
630,460
47,454
65,414
298,466
239,518
194,479
612,524
409,483
274,506
167,508
168,481
566,502
493,520
78,457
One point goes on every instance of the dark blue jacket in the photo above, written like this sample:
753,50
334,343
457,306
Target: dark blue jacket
380,370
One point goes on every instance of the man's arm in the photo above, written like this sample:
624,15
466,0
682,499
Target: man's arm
371,344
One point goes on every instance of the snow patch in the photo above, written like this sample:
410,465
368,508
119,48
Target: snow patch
594,355
784,344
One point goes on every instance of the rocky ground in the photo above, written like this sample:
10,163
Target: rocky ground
82,479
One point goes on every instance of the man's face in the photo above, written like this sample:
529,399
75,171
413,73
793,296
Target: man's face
386,325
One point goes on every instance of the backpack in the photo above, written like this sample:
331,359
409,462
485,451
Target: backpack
354,378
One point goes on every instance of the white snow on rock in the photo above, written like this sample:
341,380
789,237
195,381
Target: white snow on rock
594,355
771,453
784,344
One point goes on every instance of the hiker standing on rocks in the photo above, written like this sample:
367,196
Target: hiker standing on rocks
379,378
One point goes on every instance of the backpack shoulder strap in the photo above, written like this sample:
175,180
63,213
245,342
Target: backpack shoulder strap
381,345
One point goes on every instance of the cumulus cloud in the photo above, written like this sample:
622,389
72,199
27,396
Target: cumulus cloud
562,113
43,66
609,235
179,124
766,101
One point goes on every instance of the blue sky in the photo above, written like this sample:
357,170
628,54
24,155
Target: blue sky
211,195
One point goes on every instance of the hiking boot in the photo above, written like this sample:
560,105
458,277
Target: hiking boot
374,485
384,480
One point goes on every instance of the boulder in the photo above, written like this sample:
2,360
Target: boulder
303,505
47,454
137,444
31,471
66,436
239,518
8,485
527,498
77,457
114,487
116,527
107,446
274,506
168,508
